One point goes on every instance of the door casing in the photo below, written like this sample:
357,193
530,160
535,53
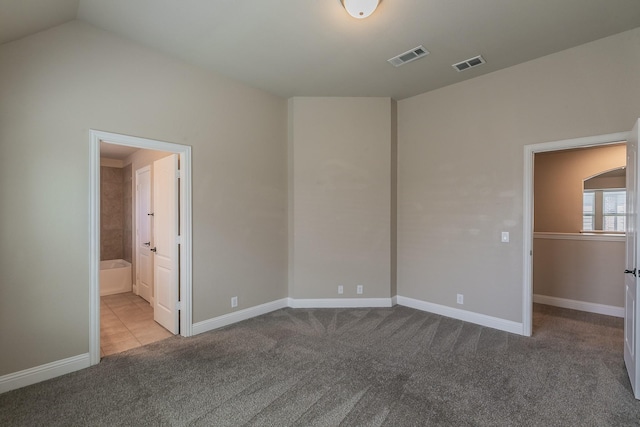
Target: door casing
184,152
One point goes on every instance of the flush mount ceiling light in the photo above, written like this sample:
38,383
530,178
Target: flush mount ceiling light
360,8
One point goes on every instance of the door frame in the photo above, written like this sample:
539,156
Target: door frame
185,247
136,184
527,250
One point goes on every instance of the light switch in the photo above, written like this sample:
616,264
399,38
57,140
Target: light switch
505,237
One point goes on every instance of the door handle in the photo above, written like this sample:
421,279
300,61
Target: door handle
153,249
150,214
630,272
147,244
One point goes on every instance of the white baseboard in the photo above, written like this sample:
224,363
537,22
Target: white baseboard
115,291
340,302
467,316
238,316
591,307
394,301
43,372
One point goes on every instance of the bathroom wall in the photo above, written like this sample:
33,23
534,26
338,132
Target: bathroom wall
111,213
116,200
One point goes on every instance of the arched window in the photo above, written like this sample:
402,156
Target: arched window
604,202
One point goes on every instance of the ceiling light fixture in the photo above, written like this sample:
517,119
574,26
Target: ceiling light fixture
360,8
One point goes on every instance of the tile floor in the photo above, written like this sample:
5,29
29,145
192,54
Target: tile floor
126,321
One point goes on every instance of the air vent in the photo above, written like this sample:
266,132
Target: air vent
408,56
469,63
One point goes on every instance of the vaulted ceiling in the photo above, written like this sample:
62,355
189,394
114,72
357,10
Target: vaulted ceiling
313,48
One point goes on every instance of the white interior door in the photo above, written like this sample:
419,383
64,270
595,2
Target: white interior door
631,320
144,260
165,236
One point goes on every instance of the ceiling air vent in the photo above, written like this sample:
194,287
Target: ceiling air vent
469,63
408,56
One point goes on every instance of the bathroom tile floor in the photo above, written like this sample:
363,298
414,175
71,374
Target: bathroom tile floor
126,321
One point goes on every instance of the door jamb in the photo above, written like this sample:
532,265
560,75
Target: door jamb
527,251
185,248
146,168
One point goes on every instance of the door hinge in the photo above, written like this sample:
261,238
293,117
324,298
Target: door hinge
180,240
179,305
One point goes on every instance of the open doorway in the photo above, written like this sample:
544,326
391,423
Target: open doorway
578,239
128,313
528,218
175,274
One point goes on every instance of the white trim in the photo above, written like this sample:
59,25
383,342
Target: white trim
340,302
584,142
597,237
43,372
527,242
186,275
527,220
186,248
466,316
94,250
239,316
136,222
394,300
591,307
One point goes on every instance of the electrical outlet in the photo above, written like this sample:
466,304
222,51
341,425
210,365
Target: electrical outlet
234,302
460,299
359,289
504,237
340,289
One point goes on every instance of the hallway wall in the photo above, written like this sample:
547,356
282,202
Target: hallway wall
558,184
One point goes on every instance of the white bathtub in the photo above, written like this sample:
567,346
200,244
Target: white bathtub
115,276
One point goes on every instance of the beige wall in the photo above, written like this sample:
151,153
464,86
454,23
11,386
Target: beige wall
460,170
340,180
460,167
54,87
558,184
580,270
